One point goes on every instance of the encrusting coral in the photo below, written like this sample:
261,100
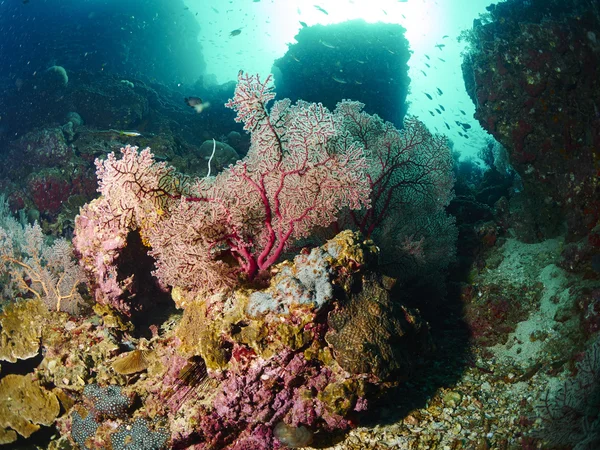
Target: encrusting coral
24,406
21,325
228,374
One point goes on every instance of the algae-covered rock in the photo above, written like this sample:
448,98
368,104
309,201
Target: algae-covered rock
204,325
21,326
371,334
24,406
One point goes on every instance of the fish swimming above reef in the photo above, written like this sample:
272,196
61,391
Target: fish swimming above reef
322,10
428,96
235,32
197,103
327,44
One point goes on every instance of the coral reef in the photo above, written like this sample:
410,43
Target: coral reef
411,179
571,409
370,334
24,406
230,375
21,325
295,359
49,272
209,234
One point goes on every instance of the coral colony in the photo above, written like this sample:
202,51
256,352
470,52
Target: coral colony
272,350
199,266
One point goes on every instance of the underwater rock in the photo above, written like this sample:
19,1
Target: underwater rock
532,74
329,63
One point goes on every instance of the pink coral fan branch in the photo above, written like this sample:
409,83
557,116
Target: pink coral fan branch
204,234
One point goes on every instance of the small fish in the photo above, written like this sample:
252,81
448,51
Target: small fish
466,136
197,103
403,16
423,72
295,58
384,12
130,133
440,46
327,44
427,56
303,24
438,111
447,126
428,66
442,107
462,112
338,80
466,126
439,91
235,32
428,96
122,132
445,36
460,134
442,60
322,10
359,61
431,112
215,10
